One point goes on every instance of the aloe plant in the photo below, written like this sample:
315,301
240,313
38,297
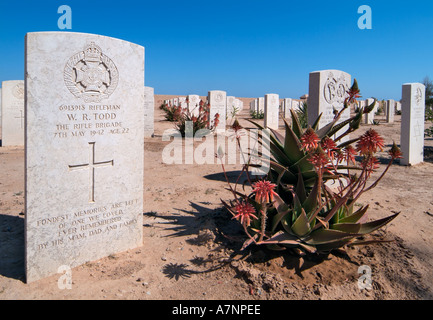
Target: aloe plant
294,206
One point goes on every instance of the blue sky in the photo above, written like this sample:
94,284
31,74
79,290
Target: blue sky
245,47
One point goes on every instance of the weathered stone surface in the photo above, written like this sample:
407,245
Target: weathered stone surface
84,149
327,92
272,107
412,123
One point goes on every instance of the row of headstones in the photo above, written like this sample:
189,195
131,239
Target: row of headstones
225,106
327,92
13,114
258,106
84,145
390,108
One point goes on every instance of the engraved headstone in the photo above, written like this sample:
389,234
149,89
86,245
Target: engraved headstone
412,123
327,92
84,149
13,113
149,112
272,106
218,105
390,110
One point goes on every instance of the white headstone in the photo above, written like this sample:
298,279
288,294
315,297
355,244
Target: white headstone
176,101
327,91
149,112
218,105
261,104
398,106
390,110
287,103
412,123
182,103
369,117
84,149
271,111
194,104
13,113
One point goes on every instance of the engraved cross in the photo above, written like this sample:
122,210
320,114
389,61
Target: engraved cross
92,165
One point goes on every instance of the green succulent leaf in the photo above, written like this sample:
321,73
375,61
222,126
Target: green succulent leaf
301,227
357,216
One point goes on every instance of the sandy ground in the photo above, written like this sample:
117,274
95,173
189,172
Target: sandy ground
191,247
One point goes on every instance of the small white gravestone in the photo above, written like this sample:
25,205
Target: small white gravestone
182,103
176,102
412,123
194,104
390,110
272,107
230,104
398,106
149,112
13,113
261,104
218,105
327,92
287,107
84,156
369,117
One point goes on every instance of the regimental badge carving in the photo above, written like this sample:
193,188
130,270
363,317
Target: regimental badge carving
219,97
335,89
274,100
91,75
418,96
18,91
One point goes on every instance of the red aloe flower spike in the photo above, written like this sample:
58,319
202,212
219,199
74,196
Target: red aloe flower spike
370,142
264,191
245,212
349,154
329,146
310,140
318,159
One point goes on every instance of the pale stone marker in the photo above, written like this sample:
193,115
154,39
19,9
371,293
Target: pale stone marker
412,123
327,92
218,104
398,106
182,103
390,110
84,149
230,104
194,104
149,112
369,117
261,104
287,103
13,113
272,107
